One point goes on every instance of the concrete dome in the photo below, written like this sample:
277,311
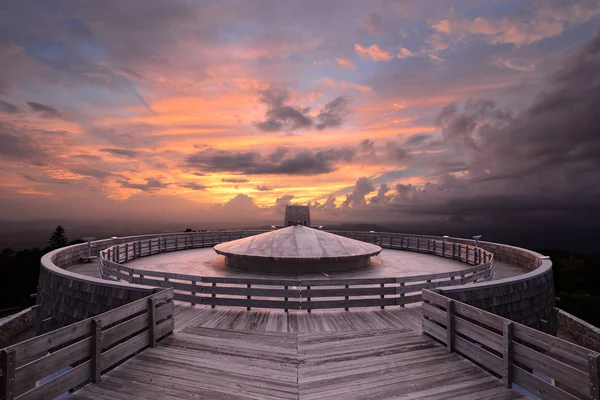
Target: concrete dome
297,248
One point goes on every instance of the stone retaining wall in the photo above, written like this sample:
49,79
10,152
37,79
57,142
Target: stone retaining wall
581,332
16,324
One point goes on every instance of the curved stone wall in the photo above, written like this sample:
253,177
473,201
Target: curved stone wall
65,297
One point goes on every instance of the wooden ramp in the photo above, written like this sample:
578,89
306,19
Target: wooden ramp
207,363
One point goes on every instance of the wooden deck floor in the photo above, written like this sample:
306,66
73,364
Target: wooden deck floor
234,354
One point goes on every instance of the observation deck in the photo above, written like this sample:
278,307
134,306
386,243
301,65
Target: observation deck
477,325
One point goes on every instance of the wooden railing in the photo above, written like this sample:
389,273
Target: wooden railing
68,357
543,365
290,294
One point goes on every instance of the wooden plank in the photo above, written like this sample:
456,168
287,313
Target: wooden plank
574,354
340,282
539,387
133,345
565,374
27,375
435,298
41,344
233,302
253,281
60,384
352,303
256,292
478,354
476,314
96,349
152,321
134,325
507,354
434,331
7,380
449,325
434,313
478,333
594,374
133,308
342,292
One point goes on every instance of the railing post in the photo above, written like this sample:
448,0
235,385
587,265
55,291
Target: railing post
150,247
286,299
347,297
433,245
193,294
118,254
308,299
214,295
417,245
449,325
7,381
248,297
507,353
402,294
96,349
126,252
382,286
594,371
152,321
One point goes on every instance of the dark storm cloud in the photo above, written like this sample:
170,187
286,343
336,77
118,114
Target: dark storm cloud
121,152
8,108
150,185
305,162
234,180
282,116
44,110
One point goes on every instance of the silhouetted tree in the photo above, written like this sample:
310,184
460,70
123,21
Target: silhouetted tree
58,238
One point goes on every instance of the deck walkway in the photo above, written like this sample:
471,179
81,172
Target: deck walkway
227,353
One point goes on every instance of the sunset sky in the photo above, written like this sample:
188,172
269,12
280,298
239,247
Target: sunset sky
463,111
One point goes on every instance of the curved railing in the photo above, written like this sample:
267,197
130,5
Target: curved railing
299,294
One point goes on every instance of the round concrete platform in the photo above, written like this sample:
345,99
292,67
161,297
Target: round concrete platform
389,263
297,249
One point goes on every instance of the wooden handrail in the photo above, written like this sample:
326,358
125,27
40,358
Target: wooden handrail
81,351
304,294
516,353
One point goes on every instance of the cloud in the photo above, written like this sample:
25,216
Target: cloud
8,108
234,180
303,162
372,23
332,114
343,84
44,110
524,28
120,152
403,52
373,53
280,116
343,63
194,186
263,188
362,187
381,197
281,202
514,64
150,185
19,147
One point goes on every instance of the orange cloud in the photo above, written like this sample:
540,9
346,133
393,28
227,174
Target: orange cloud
373,53
343,63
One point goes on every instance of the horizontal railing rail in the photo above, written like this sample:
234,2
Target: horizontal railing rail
543,365
54,363
289,294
